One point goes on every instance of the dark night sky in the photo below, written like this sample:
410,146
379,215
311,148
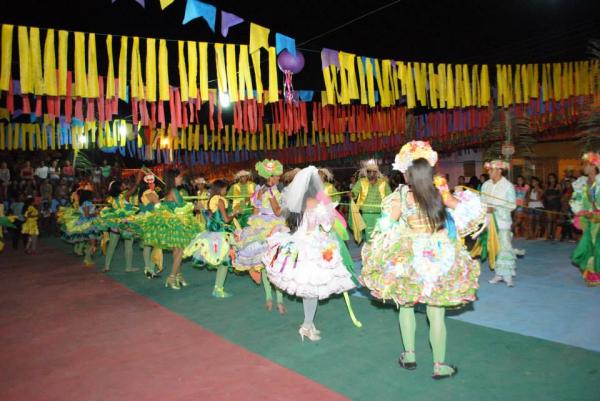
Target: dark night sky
466,31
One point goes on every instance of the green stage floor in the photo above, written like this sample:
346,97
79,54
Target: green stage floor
361,363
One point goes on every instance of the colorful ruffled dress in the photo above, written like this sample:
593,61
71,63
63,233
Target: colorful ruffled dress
30,227
407,263
214,246
65,217
170,225
309,263
586,255
79,227
118,218
252,244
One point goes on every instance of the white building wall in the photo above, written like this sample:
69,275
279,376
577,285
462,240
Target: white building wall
453,164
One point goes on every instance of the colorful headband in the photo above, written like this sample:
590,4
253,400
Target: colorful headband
501,164
592,158
242,173
327,173
149,178
269,168
412,151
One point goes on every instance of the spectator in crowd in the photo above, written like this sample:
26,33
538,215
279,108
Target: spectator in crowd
68,172
46,191
552,203
106,170
474,182
536,206
26,173
54,172
41,173
4,181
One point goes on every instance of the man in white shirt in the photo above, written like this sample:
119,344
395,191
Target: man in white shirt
42,172
501,201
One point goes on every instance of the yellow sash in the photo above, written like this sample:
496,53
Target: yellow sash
364,191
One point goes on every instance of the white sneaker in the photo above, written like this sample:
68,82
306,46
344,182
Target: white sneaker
497,279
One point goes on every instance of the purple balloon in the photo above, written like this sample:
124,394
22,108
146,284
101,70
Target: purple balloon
288,62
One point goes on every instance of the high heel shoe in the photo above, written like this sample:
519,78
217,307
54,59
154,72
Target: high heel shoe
282,309
219,292
315,330
407,365
172,283
150,274
181,280
308,333
436,371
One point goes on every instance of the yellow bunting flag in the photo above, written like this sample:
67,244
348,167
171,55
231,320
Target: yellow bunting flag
221,69
80,70
232,79
273,85
257,75
6,62
37,74
151,70
203,70
123,69
442,84
137,83
411,101
245,79
92,74
50,85
449,88
25,61
259,38
110,72
433,85
361,80
484,93
192,53
183,81
63,47
163,71
370,82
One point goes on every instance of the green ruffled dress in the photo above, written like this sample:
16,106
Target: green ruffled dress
170,225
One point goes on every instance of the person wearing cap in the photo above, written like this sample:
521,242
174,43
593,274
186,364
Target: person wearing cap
327,178
267,219
200,186
239,194
500,196
584,203
368,192
416,253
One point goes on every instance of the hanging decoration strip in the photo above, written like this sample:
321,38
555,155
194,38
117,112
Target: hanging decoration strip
348,78
49,101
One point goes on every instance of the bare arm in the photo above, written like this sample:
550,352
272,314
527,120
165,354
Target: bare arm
226,217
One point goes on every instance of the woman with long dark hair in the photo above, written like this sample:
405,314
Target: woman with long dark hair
212,247
171,226
552,202
416,254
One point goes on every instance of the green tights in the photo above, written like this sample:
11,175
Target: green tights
268,292
221,276
437,334
113,241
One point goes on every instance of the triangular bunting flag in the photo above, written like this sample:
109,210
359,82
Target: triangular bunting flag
259,37
196,9
140,2
283,42
165,3
227,21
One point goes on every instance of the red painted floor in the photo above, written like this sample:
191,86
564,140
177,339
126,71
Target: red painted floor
69,333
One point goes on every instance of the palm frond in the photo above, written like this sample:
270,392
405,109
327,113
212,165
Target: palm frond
506,126
81,161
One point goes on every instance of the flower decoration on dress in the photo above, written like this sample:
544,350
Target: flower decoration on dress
269,168
501,164
592,158
412,151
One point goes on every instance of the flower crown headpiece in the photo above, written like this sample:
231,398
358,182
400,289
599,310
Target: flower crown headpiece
501,164
592,158
412,151
269,168
149,178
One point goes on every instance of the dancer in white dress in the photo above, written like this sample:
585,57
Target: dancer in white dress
306,261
